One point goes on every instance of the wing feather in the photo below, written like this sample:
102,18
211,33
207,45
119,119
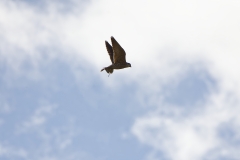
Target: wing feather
110,51
119,53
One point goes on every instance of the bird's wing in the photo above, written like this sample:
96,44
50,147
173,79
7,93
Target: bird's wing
119,53
110,50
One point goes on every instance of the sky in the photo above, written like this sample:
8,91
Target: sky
178,101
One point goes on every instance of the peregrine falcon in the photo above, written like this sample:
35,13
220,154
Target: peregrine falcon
117,56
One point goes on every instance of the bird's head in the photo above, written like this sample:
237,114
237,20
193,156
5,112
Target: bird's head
129,65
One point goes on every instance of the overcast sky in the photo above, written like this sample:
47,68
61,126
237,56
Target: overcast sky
178,101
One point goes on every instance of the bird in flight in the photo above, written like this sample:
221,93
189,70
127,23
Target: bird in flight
117,56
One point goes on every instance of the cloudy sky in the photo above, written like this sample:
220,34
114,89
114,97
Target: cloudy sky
179,101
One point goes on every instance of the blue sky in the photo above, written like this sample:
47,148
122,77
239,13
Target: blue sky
91,118
179,101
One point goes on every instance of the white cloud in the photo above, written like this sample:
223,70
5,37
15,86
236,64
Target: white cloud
6,151
160,38
38,118
186,135
192,25
197,30
51,141
4,107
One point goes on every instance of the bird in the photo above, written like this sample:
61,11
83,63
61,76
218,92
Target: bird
117,56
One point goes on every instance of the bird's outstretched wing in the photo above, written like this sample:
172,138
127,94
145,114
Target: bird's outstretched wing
119,53
110,50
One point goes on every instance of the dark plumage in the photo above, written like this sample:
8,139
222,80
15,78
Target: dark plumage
117,56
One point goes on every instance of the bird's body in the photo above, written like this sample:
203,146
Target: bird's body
117,56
